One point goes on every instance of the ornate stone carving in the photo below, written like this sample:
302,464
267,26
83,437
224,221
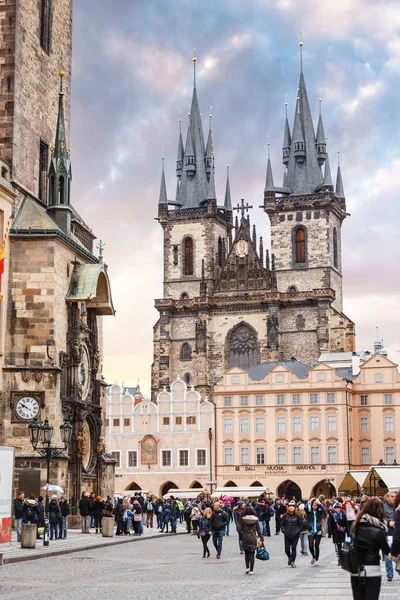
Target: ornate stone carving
272,331
242,347
201,336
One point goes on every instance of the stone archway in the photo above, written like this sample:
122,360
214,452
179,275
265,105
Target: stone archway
324,487
230,484
168,487
133,487
289,489
256,484
195,485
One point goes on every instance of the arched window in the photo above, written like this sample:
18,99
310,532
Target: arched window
187,378
220,252
242,348
61,190
51,195
188,256
335,249
186,352
184,296
300,243
300,322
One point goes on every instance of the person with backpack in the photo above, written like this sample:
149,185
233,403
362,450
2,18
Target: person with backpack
370,540
337,528
159,507
227,508
218,522
149,512
315,512
30,511
187,514
166,517
250,535
291,524
54,517
195,517
237,511
303,530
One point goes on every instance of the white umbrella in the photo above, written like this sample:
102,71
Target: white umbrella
53,488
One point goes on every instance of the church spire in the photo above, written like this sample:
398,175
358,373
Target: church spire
209,152
163,187
60,171
211,185
269,182
327,183
339,183
228,201
320,140
304,172
194,184
181,152
287,140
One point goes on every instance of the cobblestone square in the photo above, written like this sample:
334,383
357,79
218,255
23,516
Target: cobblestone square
172,567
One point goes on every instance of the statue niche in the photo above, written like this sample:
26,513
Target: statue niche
242,348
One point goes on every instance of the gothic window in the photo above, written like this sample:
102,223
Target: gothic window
185,296
300,322
300,245
219,252
175,251
43,167
188,256
186,352
61,190
242,350
45,24
335,249
51,196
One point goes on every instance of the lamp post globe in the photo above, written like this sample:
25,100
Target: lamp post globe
47,432
34,433
66,432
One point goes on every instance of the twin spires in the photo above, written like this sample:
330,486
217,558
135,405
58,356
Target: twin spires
304,152
60,174
195,168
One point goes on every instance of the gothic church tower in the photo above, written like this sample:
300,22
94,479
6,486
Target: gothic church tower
226,303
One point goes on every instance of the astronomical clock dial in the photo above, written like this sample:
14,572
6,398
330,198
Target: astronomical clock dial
242,248
27,408
85,372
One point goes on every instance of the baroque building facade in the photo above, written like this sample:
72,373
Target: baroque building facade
161,446
226,301
58,290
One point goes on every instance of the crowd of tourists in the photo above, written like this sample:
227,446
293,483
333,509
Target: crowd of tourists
369,526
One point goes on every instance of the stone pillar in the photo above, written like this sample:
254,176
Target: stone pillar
107,526
28,535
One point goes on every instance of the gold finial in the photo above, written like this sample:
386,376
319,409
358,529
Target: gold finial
61,74
194,59
269,143
188,114
326,138
210,116
285,103
298,98
180,121
301,44
194,55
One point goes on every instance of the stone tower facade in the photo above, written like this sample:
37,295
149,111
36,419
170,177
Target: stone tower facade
227,303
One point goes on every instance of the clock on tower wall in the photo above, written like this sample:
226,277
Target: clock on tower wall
26,406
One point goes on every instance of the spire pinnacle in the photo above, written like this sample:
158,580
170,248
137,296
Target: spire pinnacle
211,185
181,152
163,187
339,191
228,201
327,174
269,182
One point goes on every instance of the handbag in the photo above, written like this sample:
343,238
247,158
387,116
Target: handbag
348,557
262,553
137,517
259,542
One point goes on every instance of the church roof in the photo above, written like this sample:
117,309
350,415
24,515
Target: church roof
90,283
260,371
34,216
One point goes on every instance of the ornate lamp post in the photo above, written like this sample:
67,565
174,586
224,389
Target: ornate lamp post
41,435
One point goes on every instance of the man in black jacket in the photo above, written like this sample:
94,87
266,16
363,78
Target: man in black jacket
219,520
65,511
18,513
280,510
84,509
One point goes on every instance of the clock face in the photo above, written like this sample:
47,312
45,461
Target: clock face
27,408
85,372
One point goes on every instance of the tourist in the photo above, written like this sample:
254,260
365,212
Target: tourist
315,511
159,507
370,540
291,525
92,500
204,531
18,512
98,512
54,517
41,517
337,528
227,508
188,516
279,510
149,512
30,512
237,511
137,518
304,529
388,504
195,516
218,522
64,512
166,517
84,509
180,510
350,509
395,549
249,533
119,516
174,513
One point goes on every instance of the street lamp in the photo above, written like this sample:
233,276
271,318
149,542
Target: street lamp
210,435
41,435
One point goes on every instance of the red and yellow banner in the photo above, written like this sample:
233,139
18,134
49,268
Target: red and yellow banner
3,254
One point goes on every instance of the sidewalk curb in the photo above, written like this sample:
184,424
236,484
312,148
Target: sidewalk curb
50,552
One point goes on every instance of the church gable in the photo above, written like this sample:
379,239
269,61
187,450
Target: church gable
243,268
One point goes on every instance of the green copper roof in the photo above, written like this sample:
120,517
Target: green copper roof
33,216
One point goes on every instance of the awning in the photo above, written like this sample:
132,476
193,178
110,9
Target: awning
238,492
389,475
352,479
182,494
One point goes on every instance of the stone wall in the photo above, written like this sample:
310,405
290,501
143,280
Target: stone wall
29,83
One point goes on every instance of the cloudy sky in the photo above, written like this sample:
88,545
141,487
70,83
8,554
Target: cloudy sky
132,81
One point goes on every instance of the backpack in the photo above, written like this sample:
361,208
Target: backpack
30,512
150,506
348,557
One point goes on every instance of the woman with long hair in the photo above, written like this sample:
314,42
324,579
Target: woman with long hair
204,530
315,511
291,525
337,527
249,533
369,532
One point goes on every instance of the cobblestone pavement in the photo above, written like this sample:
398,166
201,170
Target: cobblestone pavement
172,567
